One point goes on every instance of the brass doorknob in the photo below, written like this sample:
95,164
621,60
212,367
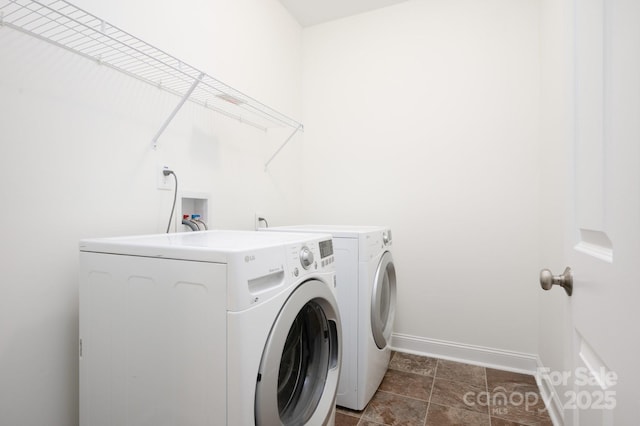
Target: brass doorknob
547,280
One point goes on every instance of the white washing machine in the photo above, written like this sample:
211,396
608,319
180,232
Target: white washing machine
366,279
208,328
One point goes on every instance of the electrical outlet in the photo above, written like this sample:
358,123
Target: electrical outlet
164,182
256,221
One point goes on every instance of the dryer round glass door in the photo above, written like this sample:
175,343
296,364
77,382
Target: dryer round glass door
383,301
298,376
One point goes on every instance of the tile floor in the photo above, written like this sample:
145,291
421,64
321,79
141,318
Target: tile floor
423,391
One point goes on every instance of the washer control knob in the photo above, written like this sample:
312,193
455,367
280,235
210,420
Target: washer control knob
306,257
385,238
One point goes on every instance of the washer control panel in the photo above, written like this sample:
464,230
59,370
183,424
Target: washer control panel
326,252
311,256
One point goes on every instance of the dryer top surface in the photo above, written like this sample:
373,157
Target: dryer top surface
337,231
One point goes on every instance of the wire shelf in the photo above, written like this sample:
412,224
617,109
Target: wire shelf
67,26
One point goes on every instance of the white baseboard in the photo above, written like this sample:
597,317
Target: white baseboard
550,395
486,357
479,355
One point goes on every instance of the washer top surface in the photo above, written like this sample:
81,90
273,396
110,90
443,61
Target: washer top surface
211,246
338,231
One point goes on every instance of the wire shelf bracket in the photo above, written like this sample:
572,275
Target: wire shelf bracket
296,130
176,109
69,27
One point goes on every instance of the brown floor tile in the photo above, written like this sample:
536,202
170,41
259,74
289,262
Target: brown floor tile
413,364
504,378
520,394
521,404
345,420
349,412
515,397
495,421
438,415
520,415
407,384
460,395
368,423
459,372
395,410
416,389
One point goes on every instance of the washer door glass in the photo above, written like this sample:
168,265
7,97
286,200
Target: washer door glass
300,359
383,301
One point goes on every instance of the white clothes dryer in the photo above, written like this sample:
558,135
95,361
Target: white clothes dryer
208,328
366,285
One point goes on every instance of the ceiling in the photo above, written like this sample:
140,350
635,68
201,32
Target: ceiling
311,12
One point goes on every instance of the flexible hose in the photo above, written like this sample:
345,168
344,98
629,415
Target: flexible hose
190,224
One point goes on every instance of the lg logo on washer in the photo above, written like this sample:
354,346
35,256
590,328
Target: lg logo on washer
249,258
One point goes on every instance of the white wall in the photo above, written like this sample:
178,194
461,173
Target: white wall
76,161
425,116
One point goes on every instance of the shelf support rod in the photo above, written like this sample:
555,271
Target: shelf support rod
296,130
176,109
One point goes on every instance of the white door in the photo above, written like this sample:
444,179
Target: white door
604,242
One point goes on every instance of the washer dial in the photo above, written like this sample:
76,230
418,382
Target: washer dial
306,257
